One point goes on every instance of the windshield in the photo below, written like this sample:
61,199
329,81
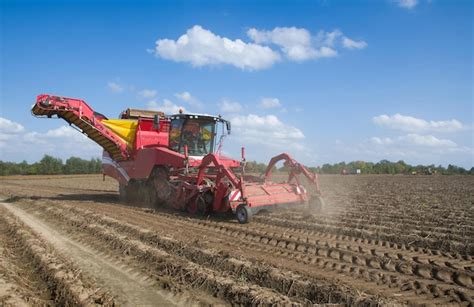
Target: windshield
197,134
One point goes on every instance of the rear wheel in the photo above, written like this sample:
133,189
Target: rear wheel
161,185
192,206
316,204
244,214
123,193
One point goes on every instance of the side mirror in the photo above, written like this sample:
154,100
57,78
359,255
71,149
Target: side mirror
227,123
156,122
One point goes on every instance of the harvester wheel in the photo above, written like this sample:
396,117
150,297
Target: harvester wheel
123,192
316,204
192,207
204,203
244,214
161,185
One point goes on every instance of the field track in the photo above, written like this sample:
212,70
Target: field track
382,240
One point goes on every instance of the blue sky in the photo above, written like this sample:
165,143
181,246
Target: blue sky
326,81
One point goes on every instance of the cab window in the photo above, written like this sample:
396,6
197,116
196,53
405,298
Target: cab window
197,134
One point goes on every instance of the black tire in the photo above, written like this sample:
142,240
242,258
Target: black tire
316,204
244,214
123,193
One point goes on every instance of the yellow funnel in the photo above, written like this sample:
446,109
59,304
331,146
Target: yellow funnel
123,128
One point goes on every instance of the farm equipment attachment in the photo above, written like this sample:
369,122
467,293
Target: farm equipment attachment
176,160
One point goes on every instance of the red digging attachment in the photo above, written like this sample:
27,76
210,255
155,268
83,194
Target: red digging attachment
249,195
175,160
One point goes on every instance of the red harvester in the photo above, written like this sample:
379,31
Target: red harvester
175,160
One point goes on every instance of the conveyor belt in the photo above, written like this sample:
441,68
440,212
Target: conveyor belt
87,128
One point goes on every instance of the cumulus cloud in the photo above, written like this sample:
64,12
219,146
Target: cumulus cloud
352,44
16,143
406,4
115,87
413,124
147,93
201,47
167,107
228,106
295,42
268,131
9,130
10,127
269,103
414,139
413,148
188,98
298,44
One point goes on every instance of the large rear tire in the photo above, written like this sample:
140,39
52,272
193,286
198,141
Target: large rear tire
244,214
123,193
164,192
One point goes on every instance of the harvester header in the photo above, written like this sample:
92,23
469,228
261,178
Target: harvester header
176,160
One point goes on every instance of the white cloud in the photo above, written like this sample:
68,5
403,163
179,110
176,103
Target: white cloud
18,144
201,47
167,107
412,148
298,44
268,131
185,96
427,140
414,139
227,106
269,103
9,130
146,93
352,44
191,100
114,87
413,124
407,4
295,42
10,127
381,141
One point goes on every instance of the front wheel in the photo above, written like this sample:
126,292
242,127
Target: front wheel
244,214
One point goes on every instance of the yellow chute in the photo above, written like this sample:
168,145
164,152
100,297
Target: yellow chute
123,128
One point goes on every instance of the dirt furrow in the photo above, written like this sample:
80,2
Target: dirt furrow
68,286
285,282
179,270
355,231
388,258
333,260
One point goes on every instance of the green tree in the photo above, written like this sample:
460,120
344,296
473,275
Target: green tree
50,165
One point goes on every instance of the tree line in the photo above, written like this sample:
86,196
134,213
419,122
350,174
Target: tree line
388,167
382,167
49,165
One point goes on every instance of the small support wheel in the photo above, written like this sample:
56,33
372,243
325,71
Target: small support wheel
316,204
244,214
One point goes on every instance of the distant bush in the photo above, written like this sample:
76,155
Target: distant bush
387,167
49,165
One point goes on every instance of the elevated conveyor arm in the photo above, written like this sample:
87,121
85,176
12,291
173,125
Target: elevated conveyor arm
78,113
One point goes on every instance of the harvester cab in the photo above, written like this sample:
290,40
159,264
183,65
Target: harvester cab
176,161
200,134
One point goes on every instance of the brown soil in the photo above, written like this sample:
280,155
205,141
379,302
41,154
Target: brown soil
381,240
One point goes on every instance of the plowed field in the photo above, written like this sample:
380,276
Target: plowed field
67,240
